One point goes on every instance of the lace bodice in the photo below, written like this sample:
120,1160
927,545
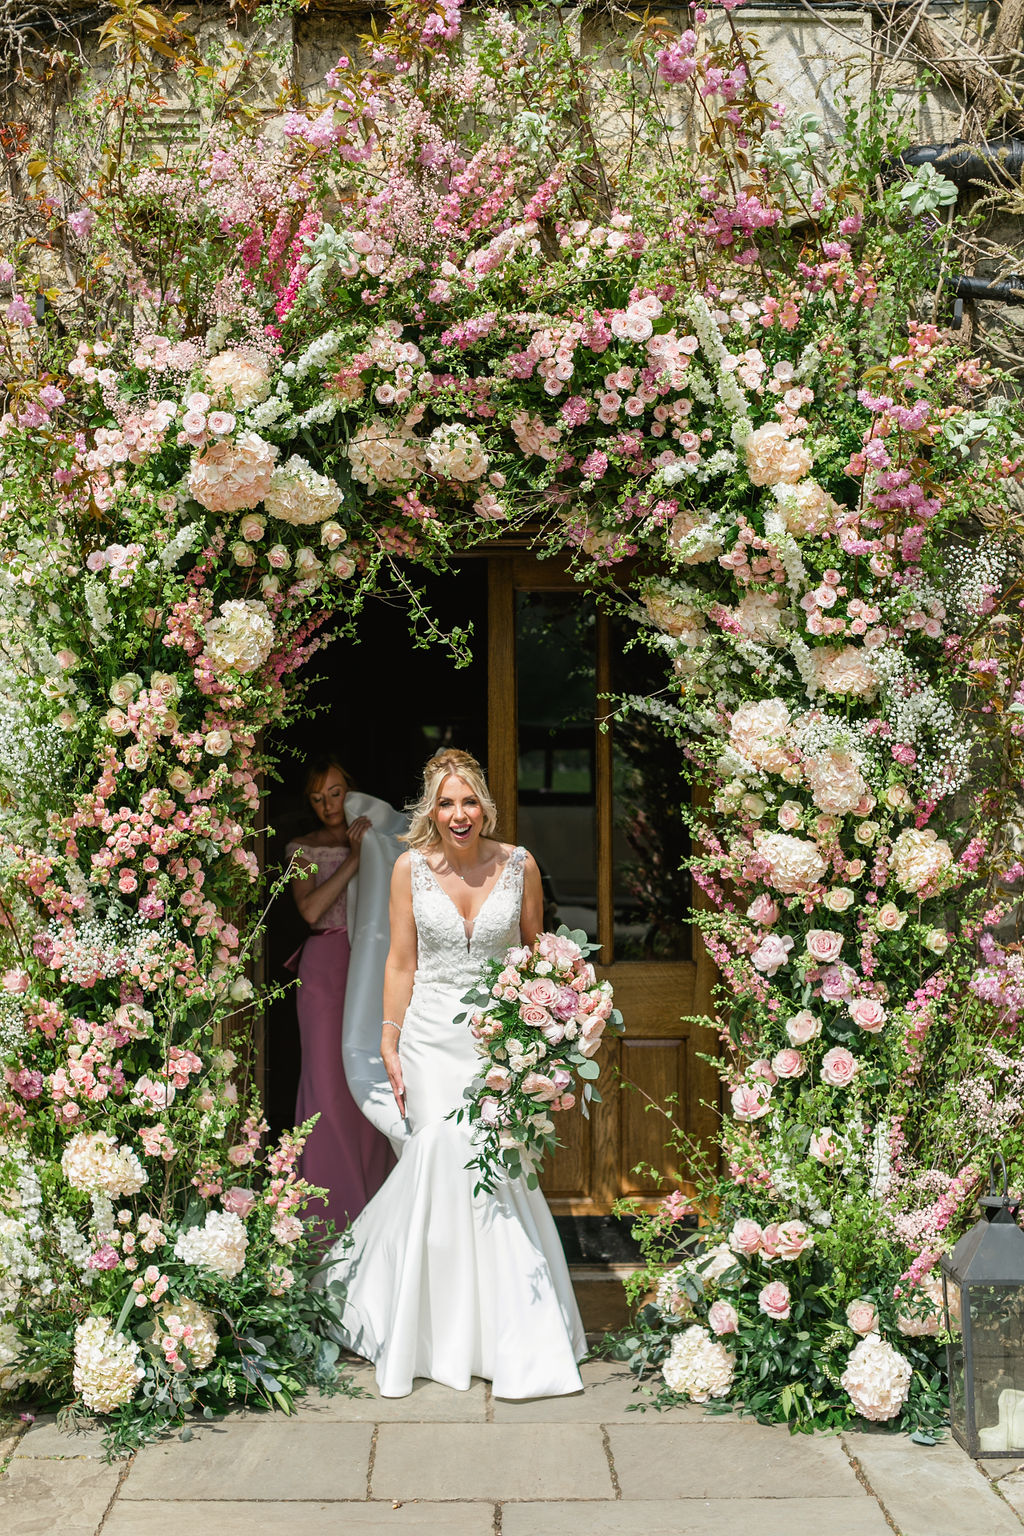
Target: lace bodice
445,955
327,857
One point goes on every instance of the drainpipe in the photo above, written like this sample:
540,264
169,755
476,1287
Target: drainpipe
962,163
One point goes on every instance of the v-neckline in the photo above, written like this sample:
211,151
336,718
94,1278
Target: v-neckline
471,921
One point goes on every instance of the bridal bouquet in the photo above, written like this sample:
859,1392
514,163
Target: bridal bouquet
538,1018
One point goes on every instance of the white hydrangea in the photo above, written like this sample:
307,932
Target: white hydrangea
241,637
698,1367
456,453
241,372
106,1370
218,1245
299,495
877,1379
94,1163
382,454
193,1326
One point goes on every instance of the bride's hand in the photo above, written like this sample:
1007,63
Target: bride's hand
393,1067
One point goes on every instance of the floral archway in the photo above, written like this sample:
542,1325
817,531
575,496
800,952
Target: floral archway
486,283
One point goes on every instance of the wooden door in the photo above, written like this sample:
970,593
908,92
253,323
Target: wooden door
563,787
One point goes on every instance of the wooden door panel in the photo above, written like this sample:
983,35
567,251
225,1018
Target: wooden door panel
659,1051
653,1076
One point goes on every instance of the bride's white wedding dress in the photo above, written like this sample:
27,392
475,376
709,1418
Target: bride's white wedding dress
440,1282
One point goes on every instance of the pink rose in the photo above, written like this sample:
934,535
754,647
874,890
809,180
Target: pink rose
489,1112
722,1318
823,1146
560,951
564,1101
537,1086
591,1034
239,1156
824,945
238,1201
565,1005
862,1316
771,953
789,816
789,1063
498,1078
533,1016
763,910
762,1069
541,991
16,981
745,1237
792,1239
751,1103
867,1013
773,1301
838,1067
518,956
803,1027
836,982
554,1032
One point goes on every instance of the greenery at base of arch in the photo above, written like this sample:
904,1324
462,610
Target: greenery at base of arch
482,280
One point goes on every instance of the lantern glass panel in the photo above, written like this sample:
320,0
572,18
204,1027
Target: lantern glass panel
953,1297
994,1372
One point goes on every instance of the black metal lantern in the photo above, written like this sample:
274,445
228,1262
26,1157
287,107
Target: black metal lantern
983,1295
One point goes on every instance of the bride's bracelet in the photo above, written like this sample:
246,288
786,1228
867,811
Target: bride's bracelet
394,1024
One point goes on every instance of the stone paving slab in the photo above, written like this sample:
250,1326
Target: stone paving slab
1011,1486
428,1402
232,1518
608,1398
695,1517
276,1459
55,1498
931,1490
490,1461
713,1460
43,1438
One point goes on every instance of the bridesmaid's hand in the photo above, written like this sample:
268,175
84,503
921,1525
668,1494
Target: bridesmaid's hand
393,1067
356,832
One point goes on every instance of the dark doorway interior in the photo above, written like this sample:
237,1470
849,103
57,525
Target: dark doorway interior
383,705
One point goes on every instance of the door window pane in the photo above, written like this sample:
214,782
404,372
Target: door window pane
651,892
557,699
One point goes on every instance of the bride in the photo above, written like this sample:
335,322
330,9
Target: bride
440,1282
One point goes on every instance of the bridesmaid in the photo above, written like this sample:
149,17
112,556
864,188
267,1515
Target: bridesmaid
344,1153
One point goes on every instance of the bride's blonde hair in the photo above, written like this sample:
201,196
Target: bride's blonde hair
422,832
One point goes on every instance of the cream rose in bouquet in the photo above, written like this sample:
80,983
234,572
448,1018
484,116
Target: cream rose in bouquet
538,1018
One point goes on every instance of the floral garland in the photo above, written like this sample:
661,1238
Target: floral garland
372,340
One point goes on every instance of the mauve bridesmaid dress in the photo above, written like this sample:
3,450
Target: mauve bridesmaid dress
344,1153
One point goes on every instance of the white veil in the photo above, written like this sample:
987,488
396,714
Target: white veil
369,934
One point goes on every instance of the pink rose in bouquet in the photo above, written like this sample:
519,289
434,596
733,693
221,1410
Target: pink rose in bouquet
533,1015
540,990
559,949
238,1201
803,1027
499,1078
538,1086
